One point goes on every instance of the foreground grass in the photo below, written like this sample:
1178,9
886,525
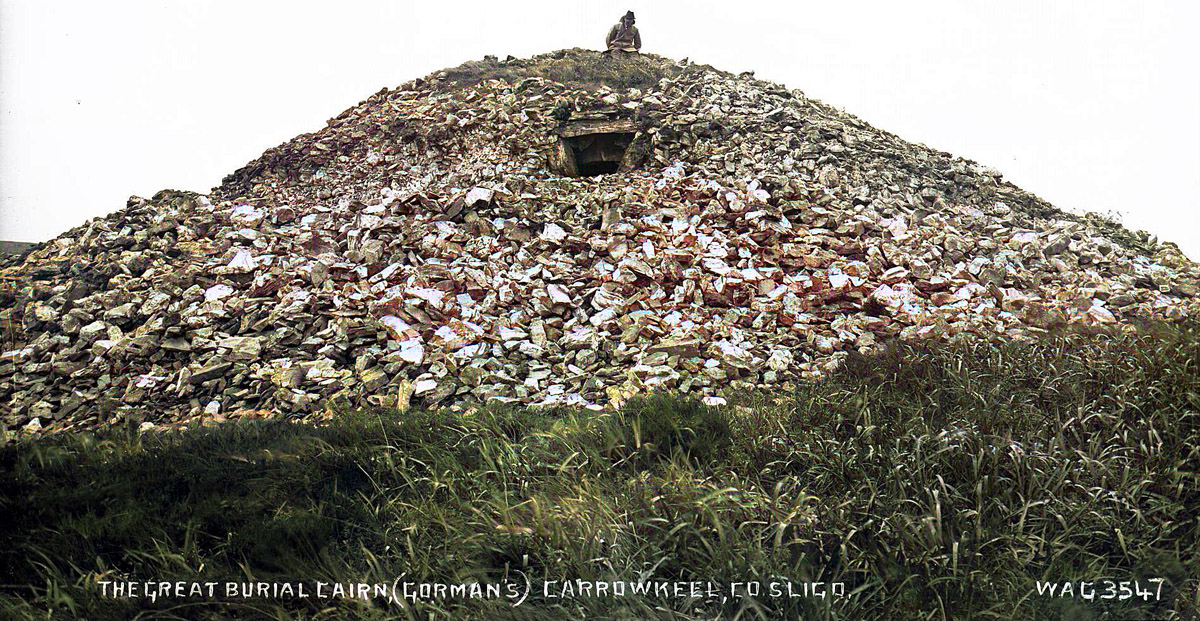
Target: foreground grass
936,481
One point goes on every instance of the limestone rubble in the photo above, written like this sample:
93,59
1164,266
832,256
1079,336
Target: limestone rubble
422,245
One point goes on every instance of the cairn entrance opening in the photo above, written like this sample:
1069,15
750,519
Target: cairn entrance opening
598,154
590,148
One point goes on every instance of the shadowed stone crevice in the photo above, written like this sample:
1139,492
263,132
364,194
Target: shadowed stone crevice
590,148
598,154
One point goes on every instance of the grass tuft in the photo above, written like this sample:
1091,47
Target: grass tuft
579,67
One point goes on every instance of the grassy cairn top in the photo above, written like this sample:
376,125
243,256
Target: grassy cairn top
936,481
575,66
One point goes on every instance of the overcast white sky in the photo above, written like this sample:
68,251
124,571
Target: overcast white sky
1092,105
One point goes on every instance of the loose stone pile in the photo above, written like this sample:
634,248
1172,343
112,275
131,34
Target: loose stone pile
422,246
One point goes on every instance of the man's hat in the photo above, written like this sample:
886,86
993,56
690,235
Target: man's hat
629,14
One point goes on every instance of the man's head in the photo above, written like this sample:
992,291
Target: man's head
628,19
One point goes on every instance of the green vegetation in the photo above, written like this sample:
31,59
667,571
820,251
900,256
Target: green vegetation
577,67
936,481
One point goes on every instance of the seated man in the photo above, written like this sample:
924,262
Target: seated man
624,36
